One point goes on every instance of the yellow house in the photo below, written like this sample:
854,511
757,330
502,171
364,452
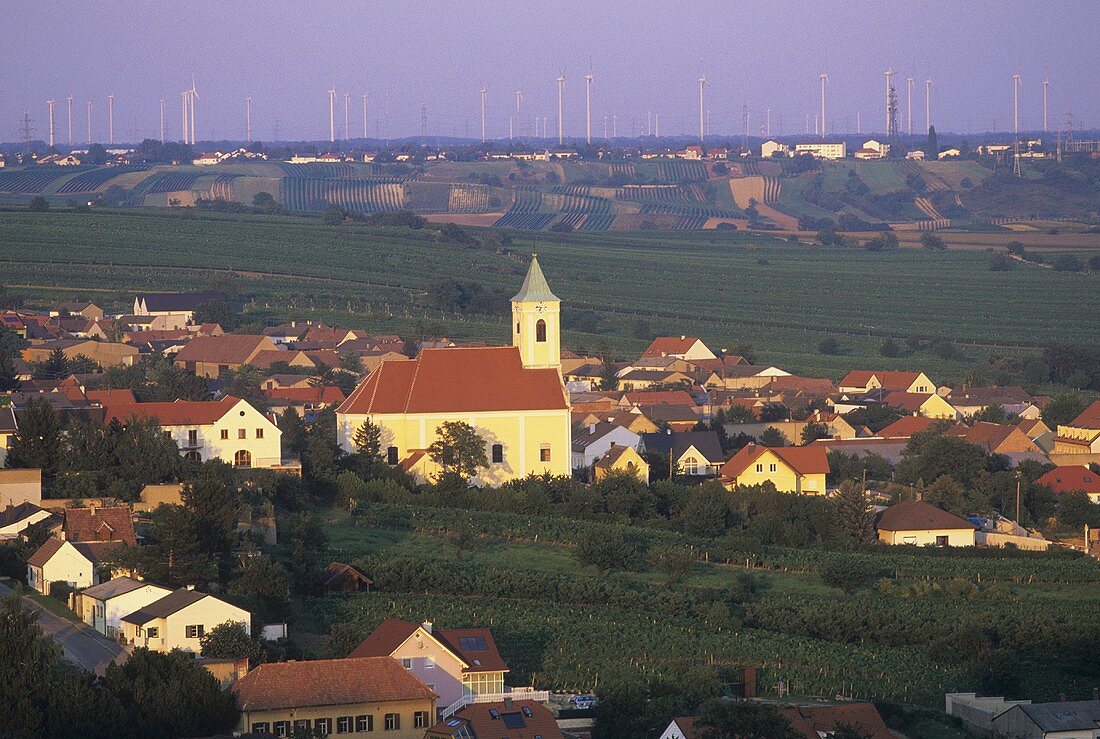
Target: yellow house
513,396
179,620
370,696
864,381
621,458
922,524
920,404
1081,435
792,469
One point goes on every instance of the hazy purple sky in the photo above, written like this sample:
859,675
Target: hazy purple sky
645,56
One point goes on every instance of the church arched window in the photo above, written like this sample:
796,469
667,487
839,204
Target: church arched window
540,330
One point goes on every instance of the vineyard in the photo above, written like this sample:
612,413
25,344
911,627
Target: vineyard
681,170
316,170
468,199
172,182
222,187
93,180
30,181
362,195
525,220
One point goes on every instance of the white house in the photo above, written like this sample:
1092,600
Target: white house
178,620
230,429
103,606
15,519
770,148
597,439
681,727
923,524
176,308
823,149
74,563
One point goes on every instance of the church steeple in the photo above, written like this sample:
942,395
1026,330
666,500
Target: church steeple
536,320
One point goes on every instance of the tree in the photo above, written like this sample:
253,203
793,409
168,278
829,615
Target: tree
1066,263
8,379
39,204
54,367
294,433
1001,263
932,242
742,720
265,202
173,555
261,583
930,455
36,443
230,641
27,663
848,573
829,346
932,147
1063,408
368,440
875,416
604,550
811,432
216,311
674,561
214,504
458,449
463,538
773,437
334,215
852,517
169,695
889,348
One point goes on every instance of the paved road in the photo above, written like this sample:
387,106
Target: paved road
79,642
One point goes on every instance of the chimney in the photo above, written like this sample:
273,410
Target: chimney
190,587
682,337
427,626
507,702
591,428
1062,697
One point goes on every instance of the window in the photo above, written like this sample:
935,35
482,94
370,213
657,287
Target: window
193,455
153,632
473,643
192,437
691,466
301,725
429,663
260,727
771,468
225,436
759,468
517,328
322,726
242,434
941,541
498,453
343,724
281,728
544,453
364,723
540,330
195,631
420,720
391,455
242,458
407,663
393,721
259,433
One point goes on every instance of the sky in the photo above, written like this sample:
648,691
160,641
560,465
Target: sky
434,56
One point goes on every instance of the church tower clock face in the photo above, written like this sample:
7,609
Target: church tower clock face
540,308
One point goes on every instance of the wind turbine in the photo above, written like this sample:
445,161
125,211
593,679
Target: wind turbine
89,122
588,106
889,85
1015,103
192,96
347,107
928,104
1046,86
484,95
332,113
702,84
519,110
162,120
768,126
824,83
909,102
248,119
561,90
185,96
365,96
51,102
111,118
70,99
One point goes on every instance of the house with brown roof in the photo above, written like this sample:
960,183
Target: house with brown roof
83,308
513,396
792,469
682,347
179,620
923,524
864,381
173,309
107,524
929,405
357,697
230,429
814,721
906,426
457,664
103,353
639,379
1072,478
1082,434
103,606
624,459
216,356
996,438
77,564
343,578
1012,399
507,719
18,485
16,519
595,440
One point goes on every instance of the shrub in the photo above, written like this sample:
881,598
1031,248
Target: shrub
848,574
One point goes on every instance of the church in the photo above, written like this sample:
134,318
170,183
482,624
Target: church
512,395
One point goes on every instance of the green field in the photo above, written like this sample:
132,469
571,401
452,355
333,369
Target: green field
729,288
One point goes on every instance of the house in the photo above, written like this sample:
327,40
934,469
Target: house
1082,434
792,469
8,429
996,438
771,148
682,347
1013,400
513,396
103,353
872,149
457,664
179,619
76,564
621,458
595,440
15,519
18,485
923,524
343,578
906,426
823,149
334,696
306,401
82,308
112,524
177,309
862,381
636,379
230,429
511,719
153,496
916,155
1073,478
682,727
103,606
1039,433
676,418
819,720
1057,720
921,404
693,453
215,356
207,159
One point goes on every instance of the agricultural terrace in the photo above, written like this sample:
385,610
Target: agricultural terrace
730,288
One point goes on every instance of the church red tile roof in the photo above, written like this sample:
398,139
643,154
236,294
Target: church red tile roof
458,380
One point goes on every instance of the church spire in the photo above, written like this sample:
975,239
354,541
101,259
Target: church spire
536,318
534,285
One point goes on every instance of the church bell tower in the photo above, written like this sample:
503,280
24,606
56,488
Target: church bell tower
536,321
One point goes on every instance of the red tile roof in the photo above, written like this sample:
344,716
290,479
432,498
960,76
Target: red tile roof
815,722
325,395
176,413
225,349
1089,418
459,380
985,434
327,682
43,554
890,380
660,397
103,397
393,632
664,346
904,401
805,460
916,515
1069,479
906,426
111,524
521,720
